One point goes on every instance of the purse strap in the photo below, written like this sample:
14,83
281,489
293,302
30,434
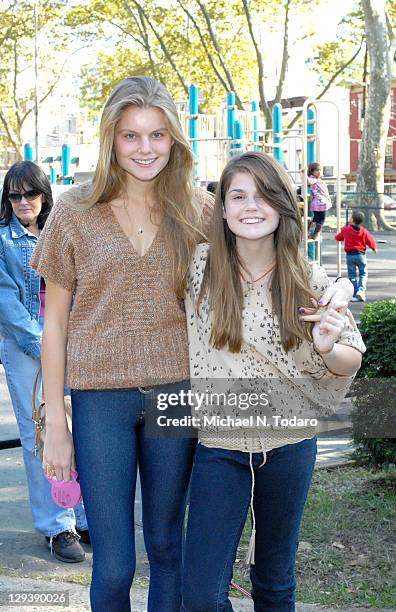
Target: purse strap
38,417
35,410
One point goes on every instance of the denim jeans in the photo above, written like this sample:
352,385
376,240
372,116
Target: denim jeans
48,518
357,261
219,503
111,441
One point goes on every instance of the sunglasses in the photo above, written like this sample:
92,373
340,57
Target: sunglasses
30,195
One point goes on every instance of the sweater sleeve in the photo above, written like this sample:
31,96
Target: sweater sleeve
53,257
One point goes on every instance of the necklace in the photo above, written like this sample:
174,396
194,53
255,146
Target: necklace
251,281
124,207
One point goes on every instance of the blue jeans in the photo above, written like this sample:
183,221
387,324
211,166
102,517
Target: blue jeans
357,262
48,518
219,503
111,441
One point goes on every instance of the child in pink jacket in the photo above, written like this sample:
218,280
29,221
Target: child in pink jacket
320,198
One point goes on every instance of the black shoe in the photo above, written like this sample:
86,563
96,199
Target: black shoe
84,535
66,547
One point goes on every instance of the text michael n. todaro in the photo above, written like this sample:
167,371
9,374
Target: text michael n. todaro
234,421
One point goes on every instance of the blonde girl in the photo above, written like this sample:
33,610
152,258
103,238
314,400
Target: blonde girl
115,256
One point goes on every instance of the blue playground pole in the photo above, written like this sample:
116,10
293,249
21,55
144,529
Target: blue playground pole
193,123
66,164
237,147
28,152
312,250
52,175
255,110
230,113
311,157
277,131
311,131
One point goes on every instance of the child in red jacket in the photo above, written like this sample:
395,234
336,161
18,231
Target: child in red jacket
356,239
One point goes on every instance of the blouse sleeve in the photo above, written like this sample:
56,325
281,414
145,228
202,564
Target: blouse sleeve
319,280
350,335
196,271
53,257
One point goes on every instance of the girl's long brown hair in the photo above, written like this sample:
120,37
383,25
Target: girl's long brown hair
289,284
172,187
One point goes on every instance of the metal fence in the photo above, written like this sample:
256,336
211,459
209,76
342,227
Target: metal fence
352,200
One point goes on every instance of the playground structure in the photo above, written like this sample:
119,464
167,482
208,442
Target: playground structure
216,137
64,160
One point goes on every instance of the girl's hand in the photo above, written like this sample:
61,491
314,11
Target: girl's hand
341,291
337,296
58,456
328,330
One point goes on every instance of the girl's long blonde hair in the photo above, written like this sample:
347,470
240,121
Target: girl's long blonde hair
172,187
289,283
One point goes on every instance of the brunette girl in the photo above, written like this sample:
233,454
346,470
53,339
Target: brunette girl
245,333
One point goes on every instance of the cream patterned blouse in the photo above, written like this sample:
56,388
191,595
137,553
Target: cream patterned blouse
262,397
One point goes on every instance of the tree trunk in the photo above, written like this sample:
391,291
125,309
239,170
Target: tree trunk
219,53
370,179
205,46
285,54
260,65
163,46
11,139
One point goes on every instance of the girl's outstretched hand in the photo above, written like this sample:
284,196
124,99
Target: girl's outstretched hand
341,291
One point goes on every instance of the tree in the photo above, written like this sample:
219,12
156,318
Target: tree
334,68
216,44
225,79
16,86
275,15
370,179
260,65
179,43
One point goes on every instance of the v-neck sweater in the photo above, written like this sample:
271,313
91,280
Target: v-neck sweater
126,327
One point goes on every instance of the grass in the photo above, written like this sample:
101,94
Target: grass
347,541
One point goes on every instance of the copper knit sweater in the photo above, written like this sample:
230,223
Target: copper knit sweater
126,326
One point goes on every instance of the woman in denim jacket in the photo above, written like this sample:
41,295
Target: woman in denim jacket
25,205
